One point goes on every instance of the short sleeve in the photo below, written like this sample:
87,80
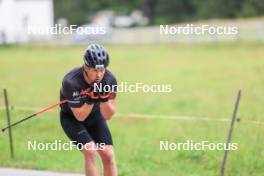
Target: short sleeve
71,93
111,80
113,83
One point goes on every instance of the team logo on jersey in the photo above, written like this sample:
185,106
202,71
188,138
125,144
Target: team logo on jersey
75,94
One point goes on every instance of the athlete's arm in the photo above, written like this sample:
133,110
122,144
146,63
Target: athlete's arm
82,106
108,99
108,108
82,112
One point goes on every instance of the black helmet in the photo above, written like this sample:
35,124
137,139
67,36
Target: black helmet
96,56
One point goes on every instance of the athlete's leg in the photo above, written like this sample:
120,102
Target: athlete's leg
102,136
89,154
77,132
108,158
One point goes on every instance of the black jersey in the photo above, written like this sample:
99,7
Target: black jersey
73,84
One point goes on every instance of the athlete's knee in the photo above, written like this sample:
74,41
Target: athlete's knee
107,155
89,151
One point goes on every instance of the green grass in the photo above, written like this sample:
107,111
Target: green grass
205,79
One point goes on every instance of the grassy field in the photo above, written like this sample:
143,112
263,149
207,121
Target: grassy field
205,79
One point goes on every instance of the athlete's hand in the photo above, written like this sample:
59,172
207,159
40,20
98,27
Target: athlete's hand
94,96
87,99
89,96
106,92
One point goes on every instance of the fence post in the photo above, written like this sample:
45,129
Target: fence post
222,172
8,123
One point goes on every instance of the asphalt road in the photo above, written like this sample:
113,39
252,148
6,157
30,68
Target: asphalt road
23,172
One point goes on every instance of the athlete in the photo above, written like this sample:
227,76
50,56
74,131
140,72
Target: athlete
83,117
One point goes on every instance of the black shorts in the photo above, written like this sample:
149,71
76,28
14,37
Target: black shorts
83,133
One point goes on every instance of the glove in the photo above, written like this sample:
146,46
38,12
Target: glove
105,96
94,96
87,99
99,92
89,96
